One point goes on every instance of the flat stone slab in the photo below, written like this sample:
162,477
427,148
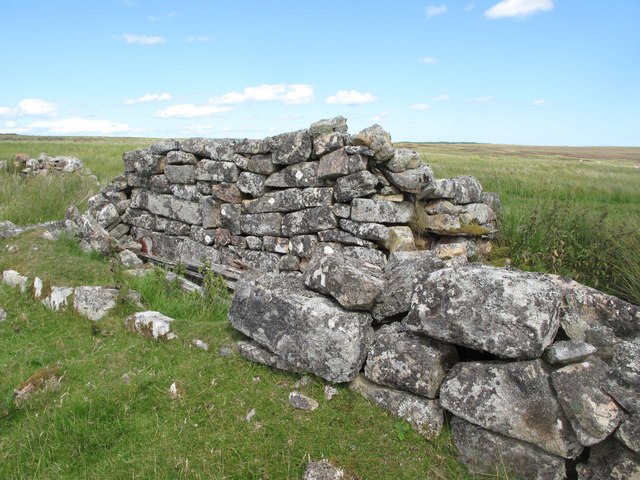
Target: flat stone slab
304,328
515,399
568,351
94,302
423,414
254,352
485,452
508,313
58,298
150,324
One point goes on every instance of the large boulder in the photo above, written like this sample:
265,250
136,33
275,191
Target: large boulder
485,452
306,329
508,313
515,399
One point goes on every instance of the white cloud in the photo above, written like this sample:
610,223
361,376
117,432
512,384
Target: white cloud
6,111
428,60
484,99
198,39
293,94
539,103
518,8
142,39
80,126
36,107
149,97
433,10
187,110
420,106
441,98
350,97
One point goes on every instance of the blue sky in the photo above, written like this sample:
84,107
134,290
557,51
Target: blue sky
540,72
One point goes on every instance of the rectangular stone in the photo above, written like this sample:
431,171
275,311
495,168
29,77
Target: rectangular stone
230,215
211,216
175,208
180,173
334,165
216,171
380,211
289,200
181,158
260,224
276,244
311,220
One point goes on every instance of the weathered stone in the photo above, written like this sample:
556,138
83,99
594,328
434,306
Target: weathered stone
366,210
399,197
230,217
261,224
306,329
567,351
260,163
423,414
211,212
289,263
222,237
143,162
344,238
38,286
178,228
303,174
328,142
609,460
592,413
263,261
358,184
303,246
408,361
291,147
159,183
479,214
302,402
378,140
354,284
485,452
403,159
307,221
138,180
9,229
3,314
129,259
221,149
515,399
163,147
456,247
276,244
15,280
623,383
253,352
251,146
492,200
369,231
214,171
440,207
400,240
181,158
333,165
144,219
359,150
119,231
461,190
167,206
508,313
629,433
226,192
403,272
289,200
180,173
58,298
251,183
442,224
194,253
341,210
94,302
238,241
150,324
254,243
324,470
419,181
368,255
186,192
328,125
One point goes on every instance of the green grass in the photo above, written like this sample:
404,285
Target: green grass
97,425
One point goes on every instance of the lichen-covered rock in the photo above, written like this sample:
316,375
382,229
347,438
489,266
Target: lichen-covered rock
333,165
403,272
592,413
180,173
303,174
14,279
167,206
289,200
253,352
368,255
311,220
515,399
354,284
143,162
230,217
339,236
378,140
408,361
485,452
628,433
460,190
94,302
400,239
403,159
356,185
181,158
328,142
324,470
57,299
220,149
419,180
226,192
260,224
302,402
375,232
328,125
567,351
423,414
609,460
150,324
303,246
623,382
291,147
508,313
307,330
380,211
214,171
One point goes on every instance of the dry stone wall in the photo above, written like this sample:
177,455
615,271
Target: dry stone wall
271,204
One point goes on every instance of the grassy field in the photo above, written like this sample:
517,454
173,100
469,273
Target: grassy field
567,210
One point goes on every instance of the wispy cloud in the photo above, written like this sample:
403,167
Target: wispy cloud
350,97
188,110
433,10
142,39
6,111
420,106
148,98
80,126
518,8
539,103
30,107
288,94
155,18
469,7
484,99
198,39
441,98
428,60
